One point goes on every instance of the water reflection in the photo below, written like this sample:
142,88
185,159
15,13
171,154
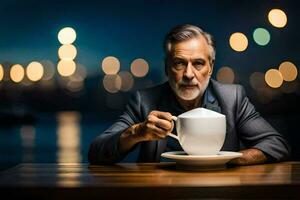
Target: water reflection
27,134
68,137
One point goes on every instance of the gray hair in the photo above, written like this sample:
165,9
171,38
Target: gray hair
185,32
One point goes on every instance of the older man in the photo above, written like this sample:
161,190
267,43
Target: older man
190,55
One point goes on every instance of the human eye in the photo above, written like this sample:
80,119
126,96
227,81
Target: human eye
179,64
198,64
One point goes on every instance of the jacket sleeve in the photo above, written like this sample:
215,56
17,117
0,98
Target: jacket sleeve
104,148
256,132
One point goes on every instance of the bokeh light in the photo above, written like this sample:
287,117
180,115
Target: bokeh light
127,81
225,75
17,73
110,65
67,52
274,78
277,18
66,67
257,80
139,67
79,74
265,94
49,69
261,36
238,41
1,72
112,83
34,71
67,35
75,86
288,70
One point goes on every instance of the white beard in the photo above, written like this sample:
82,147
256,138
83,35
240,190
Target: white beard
189,94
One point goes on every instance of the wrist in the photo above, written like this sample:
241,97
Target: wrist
135,132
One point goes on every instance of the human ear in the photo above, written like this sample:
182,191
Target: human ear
211,67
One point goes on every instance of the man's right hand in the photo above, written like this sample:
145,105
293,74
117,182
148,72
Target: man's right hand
157,125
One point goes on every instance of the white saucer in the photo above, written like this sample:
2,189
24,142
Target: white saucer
208,162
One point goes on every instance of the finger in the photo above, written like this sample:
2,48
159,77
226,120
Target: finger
164,124
153,129
161,123
162,115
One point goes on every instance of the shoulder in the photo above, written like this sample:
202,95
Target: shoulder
228,95
227,90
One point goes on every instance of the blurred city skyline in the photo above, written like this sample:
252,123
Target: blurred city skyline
130,30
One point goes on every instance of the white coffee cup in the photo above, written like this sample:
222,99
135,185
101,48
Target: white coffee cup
200,131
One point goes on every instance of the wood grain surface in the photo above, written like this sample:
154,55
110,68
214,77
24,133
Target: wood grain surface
150,181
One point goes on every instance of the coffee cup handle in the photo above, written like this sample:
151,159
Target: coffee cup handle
174,118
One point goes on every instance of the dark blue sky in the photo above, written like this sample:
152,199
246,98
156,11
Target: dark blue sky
133,29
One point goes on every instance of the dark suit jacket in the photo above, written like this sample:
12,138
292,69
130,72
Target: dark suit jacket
244,124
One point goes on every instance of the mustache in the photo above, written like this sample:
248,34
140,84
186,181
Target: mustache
187,83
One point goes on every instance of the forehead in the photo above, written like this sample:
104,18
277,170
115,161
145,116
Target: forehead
191,49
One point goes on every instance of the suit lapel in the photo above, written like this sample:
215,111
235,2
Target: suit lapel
209,101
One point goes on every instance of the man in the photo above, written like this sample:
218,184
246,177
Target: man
190,56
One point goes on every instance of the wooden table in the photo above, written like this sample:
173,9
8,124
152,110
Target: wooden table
150,181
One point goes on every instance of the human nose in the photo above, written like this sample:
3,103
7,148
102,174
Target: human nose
189,72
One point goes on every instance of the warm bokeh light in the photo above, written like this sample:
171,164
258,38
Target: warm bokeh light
34,71
66,67
261,36
139,67
112,83
1,72
288,70
67,52
17,73
274,78
225,75
75,86
110,65
127,81
238,41
257,80
49,69
277,18
76,80
67,35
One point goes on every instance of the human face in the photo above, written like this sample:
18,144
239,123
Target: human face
189,68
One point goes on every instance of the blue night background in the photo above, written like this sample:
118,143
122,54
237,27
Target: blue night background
52,121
